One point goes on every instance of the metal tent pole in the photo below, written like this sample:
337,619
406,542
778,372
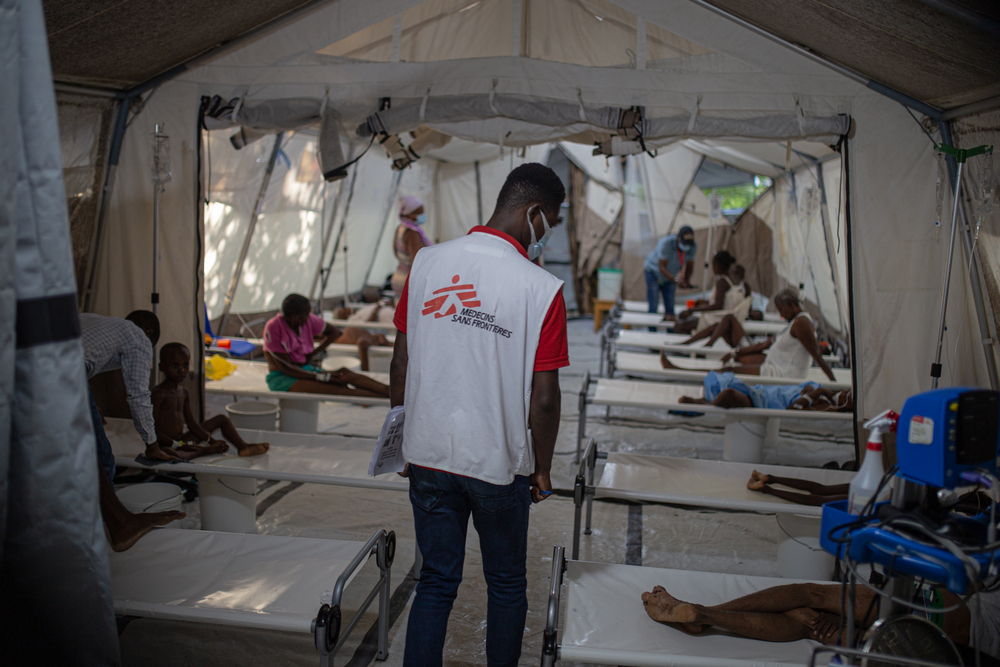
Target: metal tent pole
936,365
254,216
983,313
397,177
327,237
340,232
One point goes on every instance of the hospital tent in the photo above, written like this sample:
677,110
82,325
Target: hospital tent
681,79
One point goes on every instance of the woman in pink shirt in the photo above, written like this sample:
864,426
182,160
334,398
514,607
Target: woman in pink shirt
289,341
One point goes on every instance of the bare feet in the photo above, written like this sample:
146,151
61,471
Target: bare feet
663,607
254,448
819,626
126,533
664,361
757,481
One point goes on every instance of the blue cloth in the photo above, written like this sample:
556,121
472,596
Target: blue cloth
105,457
773,396
667,248
654,289
442,503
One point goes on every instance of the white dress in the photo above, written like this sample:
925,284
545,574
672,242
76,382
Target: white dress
787,357
735,303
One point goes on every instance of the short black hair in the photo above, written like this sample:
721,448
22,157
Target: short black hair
788,296
724,260
171,349
148,322
531,182
295,304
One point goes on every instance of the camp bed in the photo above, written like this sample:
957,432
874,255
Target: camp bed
638,364
258,582
631,306
299,411
605,622
372,326
751,327
689,482
747,430
293,457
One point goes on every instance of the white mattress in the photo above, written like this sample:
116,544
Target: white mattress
752,327
637,363
605,621
248,380
251,581
373,326
669,341
643,307
700,483
666,396
293,457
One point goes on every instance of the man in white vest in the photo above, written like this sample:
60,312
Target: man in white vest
482,334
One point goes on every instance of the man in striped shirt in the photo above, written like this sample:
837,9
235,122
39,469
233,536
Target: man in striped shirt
112,343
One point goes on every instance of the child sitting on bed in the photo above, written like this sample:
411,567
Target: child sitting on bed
175,423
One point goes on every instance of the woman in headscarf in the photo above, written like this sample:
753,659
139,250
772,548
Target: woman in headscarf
409,238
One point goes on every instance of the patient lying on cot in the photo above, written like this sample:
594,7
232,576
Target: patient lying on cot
363,338
813,611
786,355
289,342
175,422
725,390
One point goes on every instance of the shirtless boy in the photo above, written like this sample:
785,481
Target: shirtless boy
176,423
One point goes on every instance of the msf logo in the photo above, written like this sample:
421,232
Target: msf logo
448,296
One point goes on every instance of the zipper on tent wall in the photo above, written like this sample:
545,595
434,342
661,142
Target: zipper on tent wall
845,155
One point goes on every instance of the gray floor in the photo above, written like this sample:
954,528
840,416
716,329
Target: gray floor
660,536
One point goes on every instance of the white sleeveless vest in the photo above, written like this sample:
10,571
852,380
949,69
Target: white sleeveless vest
787,357
475,311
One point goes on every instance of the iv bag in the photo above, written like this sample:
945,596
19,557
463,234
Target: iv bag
161,156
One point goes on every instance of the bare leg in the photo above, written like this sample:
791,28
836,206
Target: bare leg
362,382
692,399
771,614
230,433
730,330
363,346
125,528
316,387
700,335
808,485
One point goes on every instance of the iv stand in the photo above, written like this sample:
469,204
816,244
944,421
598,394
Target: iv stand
161,176
960,156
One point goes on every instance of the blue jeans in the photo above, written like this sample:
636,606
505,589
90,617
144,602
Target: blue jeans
105,457
654,288
442,503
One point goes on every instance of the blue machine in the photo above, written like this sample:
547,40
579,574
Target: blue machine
946,438
946,432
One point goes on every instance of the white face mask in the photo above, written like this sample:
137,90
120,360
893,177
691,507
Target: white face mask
537,245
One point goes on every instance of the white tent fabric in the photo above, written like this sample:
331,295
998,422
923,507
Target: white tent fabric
675,58
52,546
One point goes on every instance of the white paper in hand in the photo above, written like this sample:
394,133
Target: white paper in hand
388,454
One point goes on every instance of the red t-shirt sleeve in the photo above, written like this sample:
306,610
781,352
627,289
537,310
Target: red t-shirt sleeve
399,319
553,346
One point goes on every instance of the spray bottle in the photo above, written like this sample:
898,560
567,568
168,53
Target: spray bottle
865,482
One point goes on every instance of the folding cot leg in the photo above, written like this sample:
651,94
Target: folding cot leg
591,489
581,425
550,637
385,555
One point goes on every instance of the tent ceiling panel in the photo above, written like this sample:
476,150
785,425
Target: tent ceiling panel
928,54
121,44
714,174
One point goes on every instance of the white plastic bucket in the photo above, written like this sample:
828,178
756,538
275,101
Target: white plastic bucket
299,415
152,497
259,415
228,504
744,441
804,558
335,363
609,284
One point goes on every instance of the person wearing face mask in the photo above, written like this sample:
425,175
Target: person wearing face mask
668,267
410,237
481,336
